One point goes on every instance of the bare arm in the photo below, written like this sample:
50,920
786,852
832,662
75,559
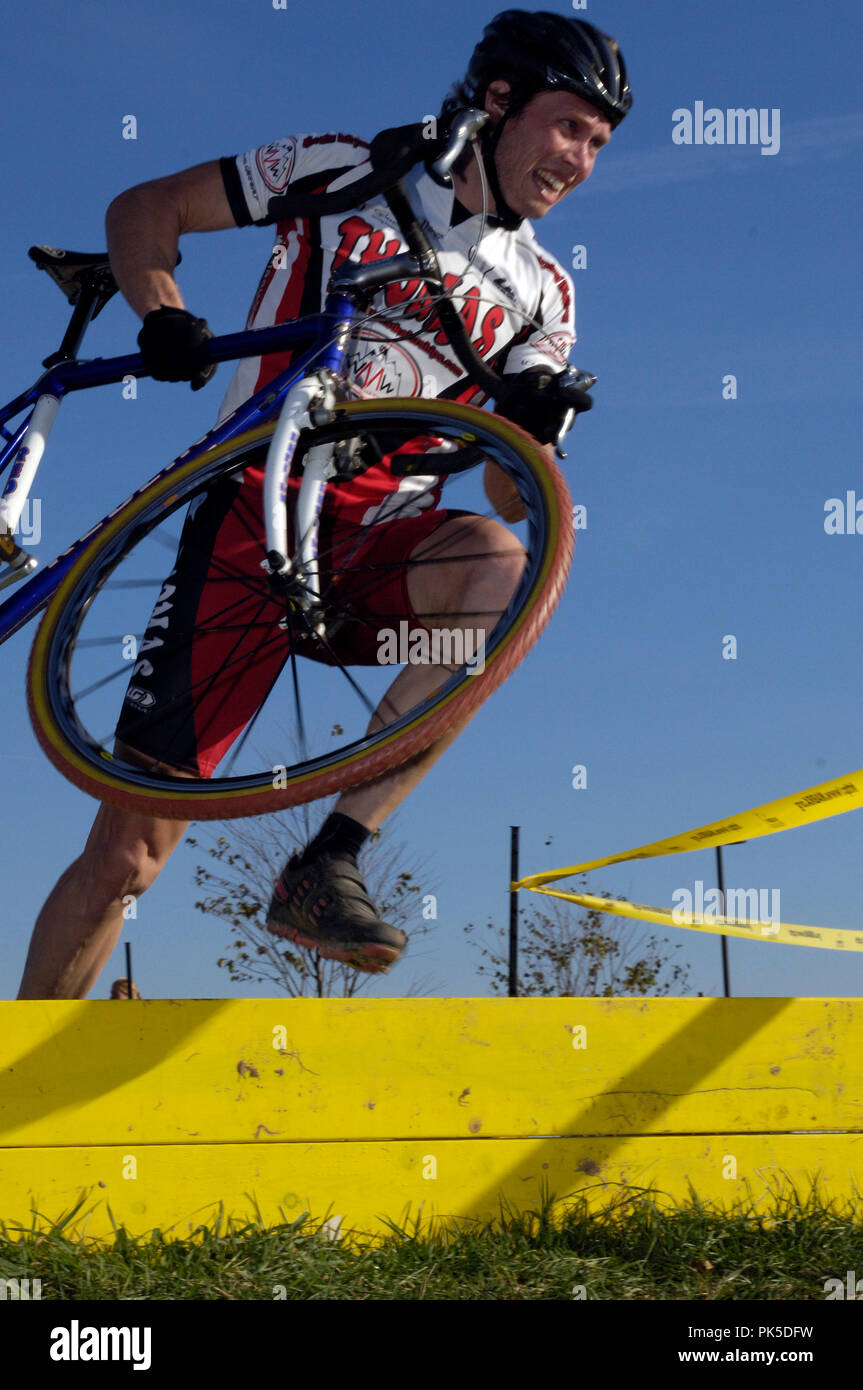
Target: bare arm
144,226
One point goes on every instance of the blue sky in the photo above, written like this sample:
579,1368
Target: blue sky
705,516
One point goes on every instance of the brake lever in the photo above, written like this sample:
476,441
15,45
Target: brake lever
467,128
573,380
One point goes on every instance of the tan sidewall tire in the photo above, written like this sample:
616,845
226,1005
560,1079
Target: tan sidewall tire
359,767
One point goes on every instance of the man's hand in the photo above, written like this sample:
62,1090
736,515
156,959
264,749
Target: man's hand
170,343
536,400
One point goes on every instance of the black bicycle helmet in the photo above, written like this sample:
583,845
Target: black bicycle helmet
542,51
537,52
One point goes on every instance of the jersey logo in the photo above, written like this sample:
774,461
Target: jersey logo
505,287
557,345
340,139
275,163
360,241
383,368
142,698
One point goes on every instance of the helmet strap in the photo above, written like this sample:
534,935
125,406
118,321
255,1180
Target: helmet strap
510,220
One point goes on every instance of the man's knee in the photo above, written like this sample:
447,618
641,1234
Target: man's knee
508,555
487,559
125,853
126,869
494,561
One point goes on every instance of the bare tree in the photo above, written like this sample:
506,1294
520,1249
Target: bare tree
245,858
563,953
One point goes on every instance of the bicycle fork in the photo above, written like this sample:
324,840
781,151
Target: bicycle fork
30,448
293,569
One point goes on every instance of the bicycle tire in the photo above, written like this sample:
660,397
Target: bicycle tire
102,776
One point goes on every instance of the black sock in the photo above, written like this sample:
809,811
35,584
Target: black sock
338,835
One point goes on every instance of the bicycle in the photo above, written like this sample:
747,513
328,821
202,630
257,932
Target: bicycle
310,417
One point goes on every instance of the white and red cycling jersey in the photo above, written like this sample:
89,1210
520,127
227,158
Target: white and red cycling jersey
191,696
516,301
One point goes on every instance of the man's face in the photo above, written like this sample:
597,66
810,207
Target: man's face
547,150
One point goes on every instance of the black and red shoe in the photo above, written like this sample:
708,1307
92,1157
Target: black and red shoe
324,905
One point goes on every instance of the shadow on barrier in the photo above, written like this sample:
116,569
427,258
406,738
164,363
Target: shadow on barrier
100,1069
632,1104
688,1056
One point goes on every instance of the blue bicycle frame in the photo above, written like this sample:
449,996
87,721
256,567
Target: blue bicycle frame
325,338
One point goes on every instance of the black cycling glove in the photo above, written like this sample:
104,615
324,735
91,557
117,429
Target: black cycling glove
540,400
170,342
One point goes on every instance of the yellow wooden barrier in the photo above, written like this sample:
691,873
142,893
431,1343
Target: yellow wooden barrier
174,1114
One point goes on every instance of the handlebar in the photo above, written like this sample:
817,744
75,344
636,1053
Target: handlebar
467,128
393,153
357,277
572,383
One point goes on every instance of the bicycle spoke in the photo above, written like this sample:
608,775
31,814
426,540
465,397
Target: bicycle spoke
242,740
224,686
301,724
133,583
379,574
347,675
199,690
100,684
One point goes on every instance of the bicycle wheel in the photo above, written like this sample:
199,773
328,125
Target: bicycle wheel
92,629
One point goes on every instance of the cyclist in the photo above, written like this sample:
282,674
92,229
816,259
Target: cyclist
554,88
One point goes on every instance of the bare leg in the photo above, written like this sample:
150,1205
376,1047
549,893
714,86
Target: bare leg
469,593
78,927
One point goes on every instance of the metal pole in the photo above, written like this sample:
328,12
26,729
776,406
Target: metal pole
724,939
129,967
513,912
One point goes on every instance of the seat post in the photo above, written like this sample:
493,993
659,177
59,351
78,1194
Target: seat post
78,324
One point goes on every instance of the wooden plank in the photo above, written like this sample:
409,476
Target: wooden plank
177,1188
276,1070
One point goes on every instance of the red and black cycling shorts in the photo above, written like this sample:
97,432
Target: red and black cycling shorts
213,647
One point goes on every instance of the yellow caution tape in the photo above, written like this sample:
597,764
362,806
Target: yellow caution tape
817,803
786,933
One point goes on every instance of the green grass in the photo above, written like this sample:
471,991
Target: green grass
648,1254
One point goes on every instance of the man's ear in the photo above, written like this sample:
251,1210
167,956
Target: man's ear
497,98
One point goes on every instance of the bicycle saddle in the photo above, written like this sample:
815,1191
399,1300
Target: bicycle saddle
72,270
